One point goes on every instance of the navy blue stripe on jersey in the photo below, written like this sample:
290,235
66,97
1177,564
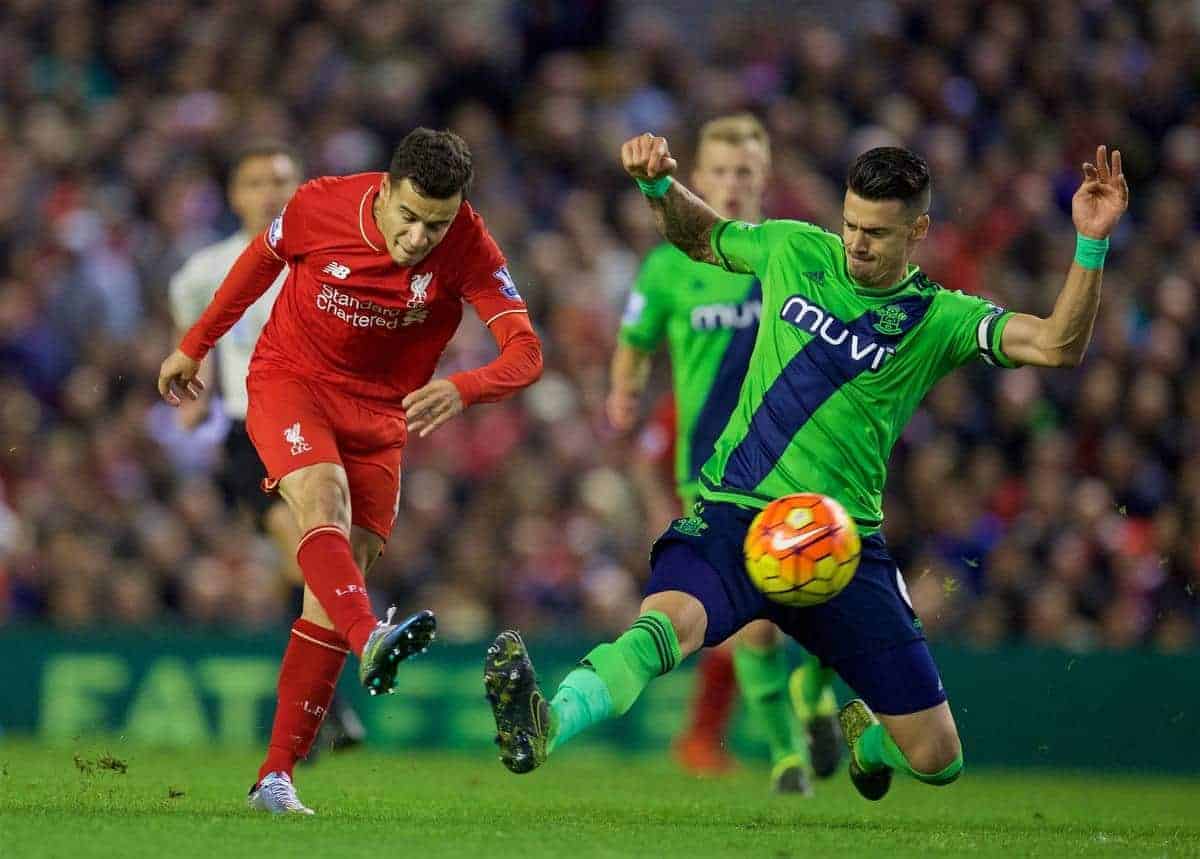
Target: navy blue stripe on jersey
837,354
723,393
987,330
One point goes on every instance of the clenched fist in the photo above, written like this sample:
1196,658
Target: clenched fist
647,157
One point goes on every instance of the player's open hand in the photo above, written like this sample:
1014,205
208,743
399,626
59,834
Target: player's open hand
647,157
431,406
1103,196
178,376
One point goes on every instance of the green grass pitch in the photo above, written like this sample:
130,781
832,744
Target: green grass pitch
74,801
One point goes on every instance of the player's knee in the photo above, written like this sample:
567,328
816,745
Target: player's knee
937,759
327,501
760,634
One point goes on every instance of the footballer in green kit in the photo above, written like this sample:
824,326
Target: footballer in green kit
709,318
851,338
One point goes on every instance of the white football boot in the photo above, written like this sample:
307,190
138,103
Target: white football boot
276,794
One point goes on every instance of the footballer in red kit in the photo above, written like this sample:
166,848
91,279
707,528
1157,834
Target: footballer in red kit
380,265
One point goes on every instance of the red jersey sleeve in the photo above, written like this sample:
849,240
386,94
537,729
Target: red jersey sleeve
287,236
485,280
488,287
252,275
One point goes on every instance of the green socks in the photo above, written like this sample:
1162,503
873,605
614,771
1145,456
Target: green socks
762,677
582,699
612,676
815,696
876,750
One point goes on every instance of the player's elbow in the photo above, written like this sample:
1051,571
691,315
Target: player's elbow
534,362
1065,357
536,366
1059,350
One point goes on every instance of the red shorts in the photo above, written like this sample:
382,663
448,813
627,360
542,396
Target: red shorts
294,424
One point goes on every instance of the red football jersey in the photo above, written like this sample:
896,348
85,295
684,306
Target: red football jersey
348,315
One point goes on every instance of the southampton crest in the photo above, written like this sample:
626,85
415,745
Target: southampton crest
889,319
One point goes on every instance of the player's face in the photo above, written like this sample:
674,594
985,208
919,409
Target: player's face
412,224
261,187
879,236
731,177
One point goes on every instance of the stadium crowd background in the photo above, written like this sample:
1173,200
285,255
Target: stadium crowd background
1056,508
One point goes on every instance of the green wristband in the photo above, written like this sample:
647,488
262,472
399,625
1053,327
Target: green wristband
1089,252
654,188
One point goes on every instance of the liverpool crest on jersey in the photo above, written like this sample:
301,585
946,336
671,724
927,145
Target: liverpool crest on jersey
888,319
418,285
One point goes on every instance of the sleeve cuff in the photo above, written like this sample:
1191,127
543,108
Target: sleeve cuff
192,346
630,338
469,387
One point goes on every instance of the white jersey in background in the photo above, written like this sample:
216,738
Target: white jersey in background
192,288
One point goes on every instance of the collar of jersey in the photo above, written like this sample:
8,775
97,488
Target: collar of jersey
367,228
868,292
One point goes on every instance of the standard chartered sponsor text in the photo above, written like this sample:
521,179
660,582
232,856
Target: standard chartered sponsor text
359,312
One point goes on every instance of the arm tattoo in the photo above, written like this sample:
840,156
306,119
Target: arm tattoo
686,221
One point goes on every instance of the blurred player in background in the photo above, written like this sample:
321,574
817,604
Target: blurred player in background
262,178
380,264
852,337
709,318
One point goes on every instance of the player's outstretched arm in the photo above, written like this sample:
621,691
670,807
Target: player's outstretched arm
251,275
684,219
1061,339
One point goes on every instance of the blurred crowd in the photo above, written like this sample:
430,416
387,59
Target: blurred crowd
1045,507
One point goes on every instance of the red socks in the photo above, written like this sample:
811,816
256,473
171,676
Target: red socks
716,691
330,572
311,665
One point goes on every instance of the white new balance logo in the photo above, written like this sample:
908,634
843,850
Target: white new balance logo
341,272
295,439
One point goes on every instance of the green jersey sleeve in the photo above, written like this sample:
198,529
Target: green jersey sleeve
972,327
747,248
644,321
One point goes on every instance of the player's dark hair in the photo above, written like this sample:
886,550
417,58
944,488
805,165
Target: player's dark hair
438,163
891,173
264,148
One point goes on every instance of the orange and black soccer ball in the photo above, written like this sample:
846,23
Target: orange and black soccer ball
802,549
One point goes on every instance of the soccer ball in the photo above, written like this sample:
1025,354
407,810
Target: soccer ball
802,549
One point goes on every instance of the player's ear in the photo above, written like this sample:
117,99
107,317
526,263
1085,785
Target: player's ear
385,189
920,228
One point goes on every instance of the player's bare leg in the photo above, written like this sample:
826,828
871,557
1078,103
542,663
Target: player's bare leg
758,660
285,534
610,678
924,744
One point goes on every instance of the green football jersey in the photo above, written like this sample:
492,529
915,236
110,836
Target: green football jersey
709,318
837,370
